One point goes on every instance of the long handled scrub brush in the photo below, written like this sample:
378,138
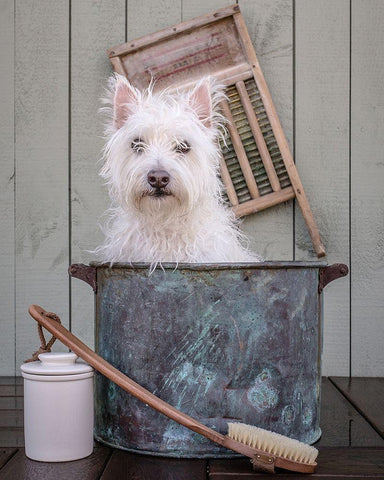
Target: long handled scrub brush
267,450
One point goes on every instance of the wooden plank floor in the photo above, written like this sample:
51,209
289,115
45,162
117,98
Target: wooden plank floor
351,447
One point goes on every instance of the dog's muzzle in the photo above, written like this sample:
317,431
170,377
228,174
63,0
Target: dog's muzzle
158,180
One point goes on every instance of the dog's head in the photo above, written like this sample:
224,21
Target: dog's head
162,154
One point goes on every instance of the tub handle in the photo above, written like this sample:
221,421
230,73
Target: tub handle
330,273
85,273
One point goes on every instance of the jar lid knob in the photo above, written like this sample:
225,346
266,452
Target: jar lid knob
58,358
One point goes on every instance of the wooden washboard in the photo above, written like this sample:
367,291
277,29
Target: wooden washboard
257,167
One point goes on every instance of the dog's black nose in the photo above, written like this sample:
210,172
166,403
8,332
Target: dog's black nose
158,178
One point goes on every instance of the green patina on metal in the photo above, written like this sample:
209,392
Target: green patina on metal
220,342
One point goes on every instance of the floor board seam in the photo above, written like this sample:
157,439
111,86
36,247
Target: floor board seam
10,457
357,408
106,463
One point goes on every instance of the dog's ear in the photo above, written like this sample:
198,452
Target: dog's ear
200,100
125,98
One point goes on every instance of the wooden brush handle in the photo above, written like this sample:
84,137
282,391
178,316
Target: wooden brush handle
102,366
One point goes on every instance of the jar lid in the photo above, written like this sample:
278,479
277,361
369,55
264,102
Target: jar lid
56,363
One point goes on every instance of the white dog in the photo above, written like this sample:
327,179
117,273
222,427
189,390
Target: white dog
161,165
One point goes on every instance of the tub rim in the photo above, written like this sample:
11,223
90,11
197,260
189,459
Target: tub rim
211,266
327,273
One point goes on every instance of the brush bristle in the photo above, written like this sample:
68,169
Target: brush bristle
273,443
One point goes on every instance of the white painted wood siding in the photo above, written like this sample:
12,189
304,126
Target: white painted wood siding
323,62
322,154
41,164
7,189
367,187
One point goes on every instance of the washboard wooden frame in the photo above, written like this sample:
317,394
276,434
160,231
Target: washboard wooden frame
257,167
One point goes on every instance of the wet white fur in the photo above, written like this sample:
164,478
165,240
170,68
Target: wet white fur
190,225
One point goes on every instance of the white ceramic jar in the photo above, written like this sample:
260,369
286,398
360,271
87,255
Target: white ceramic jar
58,408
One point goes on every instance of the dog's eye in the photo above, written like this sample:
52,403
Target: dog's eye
182,147
138,145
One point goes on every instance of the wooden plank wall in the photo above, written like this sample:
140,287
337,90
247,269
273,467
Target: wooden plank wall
367,175
41,163
323,64
7,193
322,152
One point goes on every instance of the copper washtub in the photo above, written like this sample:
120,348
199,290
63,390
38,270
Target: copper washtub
221,342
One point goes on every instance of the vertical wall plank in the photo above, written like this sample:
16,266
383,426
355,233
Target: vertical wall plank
367,201
7,184
144,17
200,7
270,27
41,164
95,27
322,154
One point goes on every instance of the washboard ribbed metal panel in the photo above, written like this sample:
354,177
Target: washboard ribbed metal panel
257,168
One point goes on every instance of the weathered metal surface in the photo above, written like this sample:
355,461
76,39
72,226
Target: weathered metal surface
84,272
330,273
221,343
